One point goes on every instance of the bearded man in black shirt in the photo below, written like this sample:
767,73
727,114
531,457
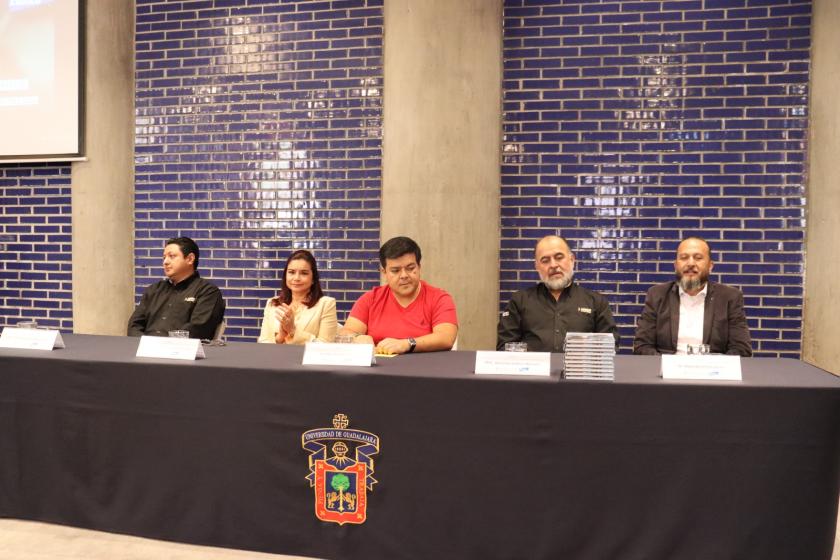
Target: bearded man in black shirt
184,301
543,314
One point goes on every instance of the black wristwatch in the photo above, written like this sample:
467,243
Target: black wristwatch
412,344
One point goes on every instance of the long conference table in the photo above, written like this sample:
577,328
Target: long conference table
210,452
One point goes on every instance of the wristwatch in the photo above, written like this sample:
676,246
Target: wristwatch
412,344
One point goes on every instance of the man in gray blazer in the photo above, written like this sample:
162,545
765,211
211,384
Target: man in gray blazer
691,310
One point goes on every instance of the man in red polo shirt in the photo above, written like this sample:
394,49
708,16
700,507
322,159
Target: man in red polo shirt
406,314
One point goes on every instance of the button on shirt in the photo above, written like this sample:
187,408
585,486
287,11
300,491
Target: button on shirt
535,317
691,319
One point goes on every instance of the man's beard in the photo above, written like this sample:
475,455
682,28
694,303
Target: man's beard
559,284
693,283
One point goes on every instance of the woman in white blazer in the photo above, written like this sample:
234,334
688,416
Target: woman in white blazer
301,312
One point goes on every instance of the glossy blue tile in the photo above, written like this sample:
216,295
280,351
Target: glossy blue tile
328,155
722,137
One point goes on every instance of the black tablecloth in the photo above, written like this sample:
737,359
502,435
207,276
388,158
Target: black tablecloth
209,452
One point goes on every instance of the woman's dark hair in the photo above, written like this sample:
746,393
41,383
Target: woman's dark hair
315,292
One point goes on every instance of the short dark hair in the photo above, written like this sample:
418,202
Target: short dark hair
396,247
187,246
698,238
315,291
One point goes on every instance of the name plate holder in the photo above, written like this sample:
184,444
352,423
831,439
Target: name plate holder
705,367
513,363
337,354
169,348
30,339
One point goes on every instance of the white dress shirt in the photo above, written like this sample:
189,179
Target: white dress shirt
691,319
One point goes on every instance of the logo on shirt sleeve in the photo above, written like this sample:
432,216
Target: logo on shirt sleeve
587,310
189,299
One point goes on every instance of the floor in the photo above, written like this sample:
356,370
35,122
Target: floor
27,540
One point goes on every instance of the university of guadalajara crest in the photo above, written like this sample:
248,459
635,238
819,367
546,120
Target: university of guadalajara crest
340,470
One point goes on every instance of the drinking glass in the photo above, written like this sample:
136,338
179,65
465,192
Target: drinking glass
697,349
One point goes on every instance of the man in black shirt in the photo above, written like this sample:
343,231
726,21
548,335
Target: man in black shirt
543,314
184,301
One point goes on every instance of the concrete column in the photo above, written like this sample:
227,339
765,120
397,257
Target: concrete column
441,161
822,269
822,290
103,186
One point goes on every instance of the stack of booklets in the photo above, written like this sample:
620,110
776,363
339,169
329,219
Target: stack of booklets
589,356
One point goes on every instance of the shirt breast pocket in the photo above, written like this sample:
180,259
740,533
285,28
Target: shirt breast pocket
586,319
182,309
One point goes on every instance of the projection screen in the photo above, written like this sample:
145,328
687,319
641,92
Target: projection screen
40,79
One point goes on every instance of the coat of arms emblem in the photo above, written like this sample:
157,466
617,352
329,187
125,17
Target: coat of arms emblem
340,470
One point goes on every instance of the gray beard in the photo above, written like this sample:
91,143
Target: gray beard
692,284
558,285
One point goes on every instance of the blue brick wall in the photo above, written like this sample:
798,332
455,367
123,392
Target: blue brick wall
629,125
35,245
258,131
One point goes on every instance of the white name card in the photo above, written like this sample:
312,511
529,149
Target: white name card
715,367
169,348
31,339
513,363
337,354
